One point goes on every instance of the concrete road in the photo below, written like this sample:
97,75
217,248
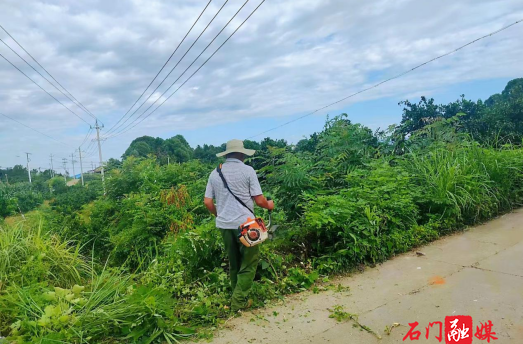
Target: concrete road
478,272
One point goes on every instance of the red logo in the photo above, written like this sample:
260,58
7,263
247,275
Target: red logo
458,329
485,332
412,335
440,336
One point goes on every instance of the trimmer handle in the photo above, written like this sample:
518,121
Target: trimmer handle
271,228
270,213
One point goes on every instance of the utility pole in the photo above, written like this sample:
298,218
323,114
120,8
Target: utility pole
64,163
97,127
73,161
52,168
28,170
167,160
81,165
6,179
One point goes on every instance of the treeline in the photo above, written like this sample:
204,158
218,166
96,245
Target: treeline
495,121
178,150
18,174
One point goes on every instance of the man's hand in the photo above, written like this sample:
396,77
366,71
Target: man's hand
261,201
209,204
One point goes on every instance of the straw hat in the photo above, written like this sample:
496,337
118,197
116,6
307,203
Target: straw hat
236,146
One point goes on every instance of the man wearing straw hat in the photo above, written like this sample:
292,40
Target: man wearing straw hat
230,213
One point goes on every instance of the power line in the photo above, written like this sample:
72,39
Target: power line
94,151
157,74
91,144
389,79
50,95
14,120
88,150
186,69
86,136
180,60
90,154
68,97
89,138
91,150
203,64
38,63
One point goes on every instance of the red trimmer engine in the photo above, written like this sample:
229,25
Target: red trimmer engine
254,232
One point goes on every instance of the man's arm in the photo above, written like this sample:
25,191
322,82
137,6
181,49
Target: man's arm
209,204
261,201
255,189
209,196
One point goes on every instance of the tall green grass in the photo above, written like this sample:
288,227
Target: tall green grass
49,292
27,253
471,183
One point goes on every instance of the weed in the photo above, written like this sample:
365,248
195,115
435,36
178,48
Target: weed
388,329
340,315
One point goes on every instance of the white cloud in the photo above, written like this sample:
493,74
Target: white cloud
289,58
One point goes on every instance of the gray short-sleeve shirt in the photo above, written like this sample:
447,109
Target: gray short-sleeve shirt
243,182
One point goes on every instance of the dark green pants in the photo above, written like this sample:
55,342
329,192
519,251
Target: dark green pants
243,262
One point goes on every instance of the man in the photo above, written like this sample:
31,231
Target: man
230,214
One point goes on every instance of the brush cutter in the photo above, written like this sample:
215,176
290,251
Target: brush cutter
254,231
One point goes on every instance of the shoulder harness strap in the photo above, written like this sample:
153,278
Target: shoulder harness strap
219,170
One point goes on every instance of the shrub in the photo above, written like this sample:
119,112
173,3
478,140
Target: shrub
74,197
357,224
19,197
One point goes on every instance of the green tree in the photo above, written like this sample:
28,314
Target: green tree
504,113
207,153
113,164
139,148
308,144
498,120
177,148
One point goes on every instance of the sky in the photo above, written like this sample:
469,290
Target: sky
288,59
